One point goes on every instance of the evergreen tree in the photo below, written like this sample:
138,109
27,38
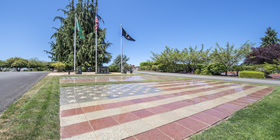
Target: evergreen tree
117,60
270,38
62,40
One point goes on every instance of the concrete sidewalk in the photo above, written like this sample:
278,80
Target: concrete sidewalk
222,78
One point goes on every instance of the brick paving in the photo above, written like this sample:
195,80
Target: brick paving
148,111
95,79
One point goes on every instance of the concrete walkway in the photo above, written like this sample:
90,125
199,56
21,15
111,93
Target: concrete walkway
222,78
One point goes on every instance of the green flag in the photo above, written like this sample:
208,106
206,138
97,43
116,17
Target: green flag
80,30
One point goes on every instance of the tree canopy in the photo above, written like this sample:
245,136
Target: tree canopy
17,62
62,40
229,56
268,54
168,58
117,60
192,56
116,65
270,38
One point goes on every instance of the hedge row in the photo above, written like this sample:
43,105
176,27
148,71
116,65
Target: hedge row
251,74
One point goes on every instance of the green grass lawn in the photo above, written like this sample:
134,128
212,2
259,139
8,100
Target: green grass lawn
36,116
259,121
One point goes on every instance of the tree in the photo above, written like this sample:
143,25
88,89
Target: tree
36,64
3,64
192,57
167,59
62,40
270,38
116,65
19,63
117,60
230,56
262,55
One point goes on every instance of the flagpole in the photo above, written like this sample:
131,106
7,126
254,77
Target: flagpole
96,39
75,37
121,51
95,51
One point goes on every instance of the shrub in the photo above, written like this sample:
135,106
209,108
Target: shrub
59,66
251,74
213,69
216,68
155,67
269,68
146,65
114,68
197,71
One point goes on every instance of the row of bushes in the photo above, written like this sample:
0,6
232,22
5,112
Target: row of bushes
209,69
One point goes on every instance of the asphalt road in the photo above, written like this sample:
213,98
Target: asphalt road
222,78
14,84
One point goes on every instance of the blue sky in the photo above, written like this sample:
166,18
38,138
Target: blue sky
26,26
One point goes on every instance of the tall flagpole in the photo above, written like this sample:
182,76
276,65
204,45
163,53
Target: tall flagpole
75,37
96,51
96,39
121,50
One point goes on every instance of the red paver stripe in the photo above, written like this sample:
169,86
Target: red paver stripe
192,86
192,124
103,123
175,131
178,84
75,129
76,111
153,134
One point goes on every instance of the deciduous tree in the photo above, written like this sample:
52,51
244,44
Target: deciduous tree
194,56
17,63
263,55
229,55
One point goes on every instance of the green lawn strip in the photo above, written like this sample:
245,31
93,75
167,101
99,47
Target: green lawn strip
122,82
260,120
35,115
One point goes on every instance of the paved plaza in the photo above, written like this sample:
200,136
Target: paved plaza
95,79
152,110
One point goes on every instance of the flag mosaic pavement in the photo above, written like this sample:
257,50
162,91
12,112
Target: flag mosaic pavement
149,111
95,79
